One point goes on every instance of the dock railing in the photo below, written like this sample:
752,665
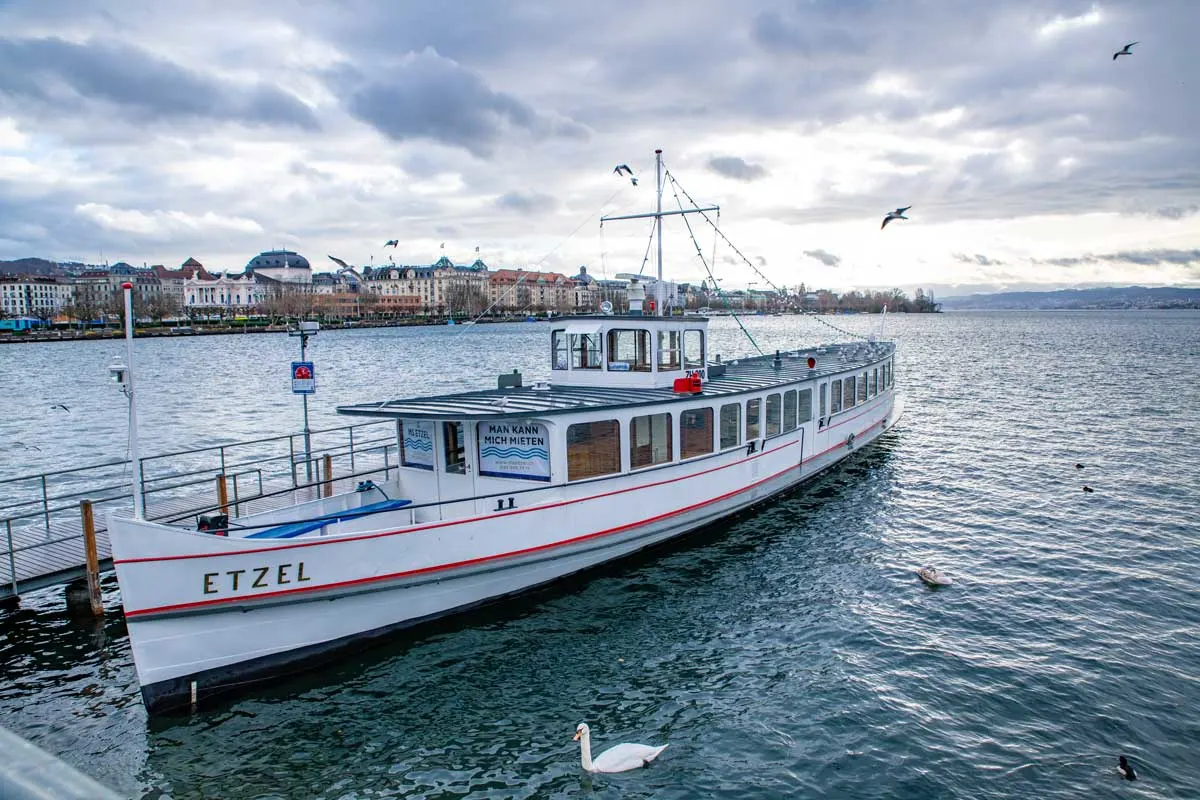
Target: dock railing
41,535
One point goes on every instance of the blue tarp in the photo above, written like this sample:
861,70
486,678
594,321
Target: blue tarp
306,526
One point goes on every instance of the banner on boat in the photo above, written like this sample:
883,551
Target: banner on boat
304,380
514,450
418,444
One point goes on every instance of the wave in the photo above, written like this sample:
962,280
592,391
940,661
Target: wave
515,452
418,444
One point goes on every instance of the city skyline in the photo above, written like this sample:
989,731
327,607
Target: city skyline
1031,158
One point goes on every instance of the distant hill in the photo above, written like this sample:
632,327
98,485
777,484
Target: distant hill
29,266
1110,297
40,266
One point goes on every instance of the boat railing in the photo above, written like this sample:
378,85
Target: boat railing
41,536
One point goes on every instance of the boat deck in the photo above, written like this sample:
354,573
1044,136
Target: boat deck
740,375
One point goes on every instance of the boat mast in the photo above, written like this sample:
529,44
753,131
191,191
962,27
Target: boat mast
658,214
658,289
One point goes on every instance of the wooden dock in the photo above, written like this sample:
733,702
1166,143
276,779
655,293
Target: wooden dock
42,542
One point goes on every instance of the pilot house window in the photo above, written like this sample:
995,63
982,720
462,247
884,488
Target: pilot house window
585,351
693,349
558,350
668,351
593,449
649,440
629,350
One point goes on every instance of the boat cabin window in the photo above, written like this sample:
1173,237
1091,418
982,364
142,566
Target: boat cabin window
789,410
669,351
804,403
848,392
695,432
558,349
693,350
753,412
822,415
628,350
649,440
593,449
416,444
454,447
835,396
891,371
862,388
731,425
874,389
774,409
585,351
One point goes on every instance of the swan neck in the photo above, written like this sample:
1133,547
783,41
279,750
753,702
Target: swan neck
585,749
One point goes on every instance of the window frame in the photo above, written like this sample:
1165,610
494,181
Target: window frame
737,426
616,450
667,425
684,439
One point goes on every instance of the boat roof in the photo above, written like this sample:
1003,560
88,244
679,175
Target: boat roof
540,400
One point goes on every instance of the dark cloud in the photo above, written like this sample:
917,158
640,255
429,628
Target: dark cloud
1139,257
1175,212
826,258
978,258
426,96
736,168
66,75
527,202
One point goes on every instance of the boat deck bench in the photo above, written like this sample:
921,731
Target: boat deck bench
306,526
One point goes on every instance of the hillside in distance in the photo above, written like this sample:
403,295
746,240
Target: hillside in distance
1114,297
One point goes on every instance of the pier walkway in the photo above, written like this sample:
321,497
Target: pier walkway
41,532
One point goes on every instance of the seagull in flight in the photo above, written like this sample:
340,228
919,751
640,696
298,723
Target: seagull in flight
341,263
891,215
62,406
623,169
392,243
1124,51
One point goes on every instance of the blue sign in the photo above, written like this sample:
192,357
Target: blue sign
304,379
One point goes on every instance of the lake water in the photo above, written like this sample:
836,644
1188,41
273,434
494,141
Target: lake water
787,652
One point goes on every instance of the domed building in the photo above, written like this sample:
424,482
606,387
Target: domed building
285,266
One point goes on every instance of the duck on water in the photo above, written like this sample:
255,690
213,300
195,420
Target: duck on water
639,436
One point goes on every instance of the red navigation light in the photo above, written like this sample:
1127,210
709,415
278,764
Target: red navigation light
126,285
812,362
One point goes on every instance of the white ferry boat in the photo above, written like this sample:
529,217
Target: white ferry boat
639,437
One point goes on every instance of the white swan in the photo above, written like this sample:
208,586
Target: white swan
619,758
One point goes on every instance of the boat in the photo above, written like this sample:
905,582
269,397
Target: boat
640,435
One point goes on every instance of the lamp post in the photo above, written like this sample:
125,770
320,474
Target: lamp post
304,383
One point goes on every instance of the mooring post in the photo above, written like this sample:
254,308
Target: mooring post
93,559
222,494
328,475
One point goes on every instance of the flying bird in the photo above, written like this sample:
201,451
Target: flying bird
60,405
1124,51
391,243
891,215
341,263
623,169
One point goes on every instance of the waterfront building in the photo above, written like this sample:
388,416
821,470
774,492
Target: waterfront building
285,266
440,289
35,296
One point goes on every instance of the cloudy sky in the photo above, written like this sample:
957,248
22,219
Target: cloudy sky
153,131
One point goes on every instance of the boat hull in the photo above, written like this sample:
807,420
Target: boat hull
206,614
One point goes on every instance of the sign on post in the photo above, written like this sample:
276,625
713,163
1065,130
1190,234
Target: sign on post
304,380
